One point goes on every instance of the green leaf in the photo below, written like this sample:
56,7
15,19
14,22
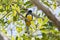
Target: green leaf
33,23
7,7
18,38
47,3
26,37
28,4
45,31
45,20
6,2
18,29
40,21
14,12
54,6
37,39
4,31
12,38
1,6
15,18
45,36
2,22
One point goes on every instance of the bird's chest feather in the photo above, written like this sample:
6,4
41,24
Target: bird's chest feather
29,17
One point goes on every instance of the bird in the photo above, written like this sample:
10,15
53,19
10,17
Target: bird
29,18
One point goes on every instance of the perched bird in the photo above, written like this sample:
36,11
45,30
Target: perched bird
29,17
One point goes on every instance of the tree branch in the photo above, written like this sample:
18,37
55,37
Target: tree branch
47,11
3,37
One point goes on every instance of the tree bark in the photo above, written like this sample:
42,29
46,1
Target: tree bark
47,11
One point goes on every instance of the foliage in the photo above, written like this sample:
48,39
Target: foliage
9,10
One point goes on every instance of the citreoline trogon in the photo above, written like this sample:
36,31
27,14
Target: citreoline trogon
29,17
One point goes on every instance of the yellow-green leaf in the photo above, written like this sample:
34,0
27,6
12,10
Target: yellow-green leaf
18,29
14,12
45,20
4,31
33,23
40,21
7,7
18,9
1,6
13,7
12,38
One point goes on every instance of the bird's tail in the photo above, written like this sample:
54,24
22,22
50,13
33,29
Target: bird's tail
27,30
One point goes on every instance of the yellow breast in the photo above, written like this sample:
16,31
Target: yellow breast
29,17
